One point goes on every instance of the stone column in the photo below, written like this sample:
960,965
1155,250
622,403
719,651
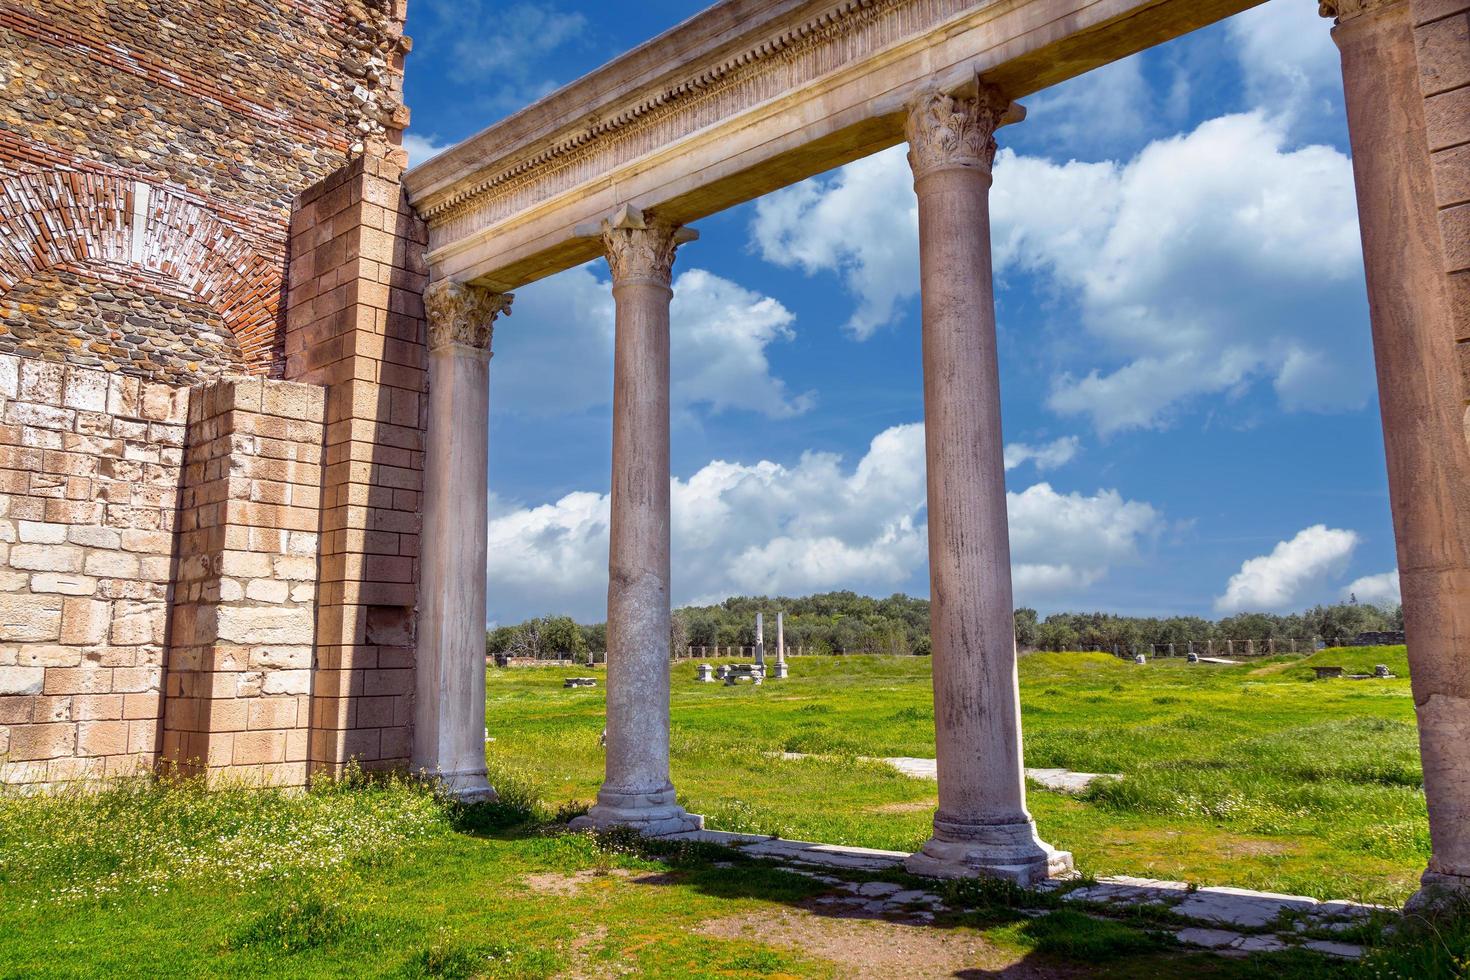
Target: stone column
1421,398
637,791
449,689
982,827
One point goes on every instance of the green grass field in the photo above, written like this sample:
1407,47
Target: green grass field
1251,775
1256,775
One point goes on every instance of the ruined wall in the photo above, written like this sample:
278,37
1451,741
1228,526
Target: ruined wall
149,156
89,475
234,595
356,326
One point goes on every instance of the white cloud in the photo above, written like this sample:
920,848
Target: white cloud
1379,590
500,52
421,148
1049,456
1278,580
770,528
1288,61
1211,261
554,354
861,222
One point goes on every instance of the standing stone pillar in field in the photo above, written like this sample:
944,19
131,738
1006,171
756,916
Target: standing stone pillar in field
449,697
1421,393
780,671
982,827
637,791
760,639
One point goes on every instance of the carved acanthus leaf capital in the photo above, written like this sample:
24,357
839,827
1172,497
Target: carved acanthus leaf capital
642,247
463,314
1342,10
952,131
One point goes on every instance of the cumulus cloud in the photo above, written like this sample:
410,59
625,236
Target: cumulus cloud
1211,261
1048,456
813,525
421,148
554,354
861,222
1287,60
1379,590
1278,580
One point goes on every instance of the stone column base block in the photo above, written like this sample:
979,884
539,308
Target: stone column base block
1439,892
651,814
466,787
1009,851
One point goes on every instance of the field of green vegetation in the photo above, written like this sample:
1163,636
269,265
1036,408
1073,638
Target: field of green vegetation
1252,775
1255,775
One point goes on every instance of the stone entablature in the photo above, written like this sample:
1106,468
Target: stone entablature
748,97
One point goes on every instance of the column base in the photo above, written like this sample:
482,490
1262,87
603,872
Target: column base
778,670
650,814
1439,892
466,787
1012,852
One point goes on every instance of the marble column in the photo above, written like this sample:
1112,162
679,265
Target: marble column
1421,397
982,827
637,791
449,688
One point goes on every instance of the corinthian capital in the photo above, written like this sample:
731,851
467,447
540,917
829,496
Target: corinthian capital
952,131
641,247
463,314
1342,10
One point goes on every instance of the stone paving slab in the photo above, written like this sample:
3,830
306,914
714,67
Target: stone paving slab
1057,780
803,852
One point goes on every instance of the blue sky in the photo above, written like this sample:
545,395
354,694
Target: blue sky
1186,369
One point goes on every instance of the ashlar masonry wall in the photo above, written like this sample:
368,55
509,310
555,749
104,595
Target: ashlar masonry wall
89,475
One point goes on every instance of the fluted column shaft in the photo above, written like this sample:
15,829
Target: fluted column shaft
637,790
1421,397
449,703
982,826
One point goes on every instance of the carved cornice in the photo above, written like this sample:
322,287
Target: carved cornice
642,250
846,32
947,131
1344,10
464,315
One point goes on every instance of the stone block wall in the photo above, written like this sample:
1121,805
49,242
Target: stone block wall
355,324
89,474
1442,41
243,618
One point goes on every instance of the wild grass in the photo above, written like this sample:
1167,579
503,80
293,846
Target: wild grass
1256,775
1295,782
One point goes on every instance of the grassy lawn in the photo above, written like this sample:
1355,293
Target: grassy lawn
1248,775
1256,775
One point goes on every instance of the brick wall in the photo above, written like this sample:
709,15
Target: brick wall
156,149
243,618
356,325
89,473
1442,39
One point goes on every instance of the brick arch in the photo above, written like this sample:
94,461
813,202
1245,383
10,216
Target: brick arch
78,220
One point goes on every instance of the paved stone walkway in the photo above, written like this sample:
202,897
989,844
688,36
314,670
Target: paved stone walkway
1231,921
1057,780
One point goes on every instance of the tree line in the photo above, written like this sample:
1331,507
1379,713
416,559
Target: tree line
847,623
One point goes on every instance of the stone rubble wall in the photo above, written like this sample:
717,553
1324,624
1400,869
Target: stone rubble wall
89,475
243,620
355,324
1442,40
150,154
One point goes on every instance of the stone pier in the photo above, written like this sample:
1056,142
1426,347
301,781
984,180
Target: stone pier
1421,393
637,791
449,705
982,827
